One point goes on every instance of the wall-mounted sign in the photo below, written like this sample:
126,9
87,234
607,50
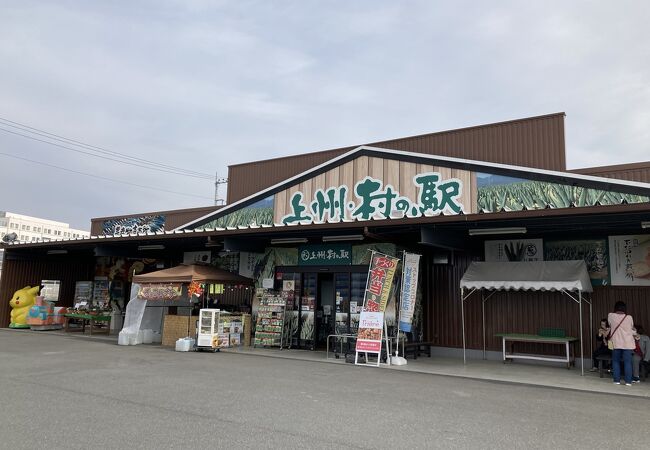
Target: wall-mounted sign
630,260
371,199
593,251
50,290
514,250
325,255
128,225
248,262
203,256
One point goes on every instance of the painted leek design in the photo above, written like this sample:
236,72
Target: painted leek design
594,252
497,193
259,213
128,225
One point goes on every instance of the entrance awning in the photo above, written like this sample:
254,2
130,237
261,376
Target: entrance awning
528,276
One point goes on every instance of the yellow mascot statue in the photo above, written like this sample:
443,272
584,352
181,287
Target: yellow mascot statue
20,304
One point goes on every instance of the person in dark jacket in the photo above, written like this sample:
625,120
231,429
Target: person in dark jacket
601,339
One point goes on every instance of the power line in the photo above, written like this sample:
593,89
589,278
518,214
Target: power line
66,140
123,158
105,178
103,157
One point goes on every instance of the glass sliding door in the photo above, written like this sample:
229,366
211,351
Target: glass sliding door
357,290
342,293
323,302
307,301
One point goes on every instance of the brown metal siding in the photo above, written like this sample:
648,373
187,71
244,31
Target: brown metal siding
632,172
173,219
532,142
17,274
514,312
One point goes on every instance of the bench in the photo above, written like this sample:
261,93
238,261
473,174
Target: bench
415,348
643,369
538,339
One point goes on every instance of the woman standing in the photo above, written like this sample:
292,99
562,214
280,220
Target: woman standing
622,336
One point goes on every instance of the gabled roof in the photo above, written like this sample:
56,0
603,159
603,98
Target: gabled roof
566,178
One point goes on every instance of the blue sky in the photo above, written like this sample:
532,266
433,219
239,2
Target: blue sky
205,84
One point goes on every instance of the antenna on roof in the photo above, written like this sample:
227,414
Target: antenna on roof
218,201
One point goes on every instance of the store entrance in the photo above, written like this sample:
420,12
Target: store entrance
322,301
325,309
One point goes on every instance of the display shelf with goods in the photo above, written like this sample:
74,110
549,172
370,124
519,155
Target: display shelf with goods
101,295
232,329
269,325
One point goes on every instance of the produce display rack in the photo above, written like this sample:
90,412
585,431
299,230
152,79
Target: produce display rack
269,326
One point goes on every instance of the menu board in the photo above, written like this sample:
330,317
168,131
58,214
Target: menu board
270,320
83,293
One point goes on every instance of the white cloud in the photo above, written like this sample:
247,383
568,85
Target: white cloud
204,84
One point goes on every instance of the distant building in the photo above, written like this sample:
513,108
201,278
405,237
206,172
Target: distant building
32,229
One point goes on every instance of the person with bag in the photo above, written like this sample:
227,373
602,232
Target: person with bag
621,338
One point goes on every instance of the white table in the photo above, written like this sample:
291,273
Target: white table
565,341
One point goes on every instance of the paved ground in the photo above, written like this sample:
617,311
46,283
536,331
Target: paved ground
67,392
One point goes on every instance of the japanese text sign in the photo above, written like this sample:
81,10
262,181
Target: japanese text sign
325,255
630,260
410,269
380,280
371,199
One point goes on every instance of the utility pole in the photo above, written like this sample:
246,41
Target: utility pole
218,201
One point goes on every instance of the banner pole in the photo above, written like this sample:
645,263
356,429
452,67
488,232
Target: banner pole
399,307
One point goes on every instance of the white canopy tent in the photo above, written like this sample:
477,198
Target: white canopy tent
569,277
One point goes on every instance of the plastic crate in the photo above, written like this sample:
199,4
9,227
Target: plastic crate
552,332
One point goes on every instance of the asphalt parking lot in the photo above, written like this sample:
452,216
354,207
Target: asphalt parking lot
70,392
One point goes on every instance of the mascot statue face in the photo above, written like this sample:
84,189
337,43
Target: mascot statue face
20,304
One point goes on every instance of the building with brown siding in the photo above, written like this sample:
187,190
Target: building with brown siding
423,194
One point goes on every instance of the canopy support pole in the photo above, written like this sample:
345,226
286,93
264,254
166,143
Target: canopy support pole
483,300
483,312
591,324
582,355
462,318
578,300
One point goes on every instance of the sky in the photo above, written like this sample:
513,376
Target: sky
200,85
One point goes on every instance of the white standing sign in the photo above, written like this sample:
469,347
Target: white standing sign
371,326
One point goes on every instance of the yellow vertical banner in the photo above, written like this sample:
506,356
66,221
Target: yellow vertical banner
380,279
